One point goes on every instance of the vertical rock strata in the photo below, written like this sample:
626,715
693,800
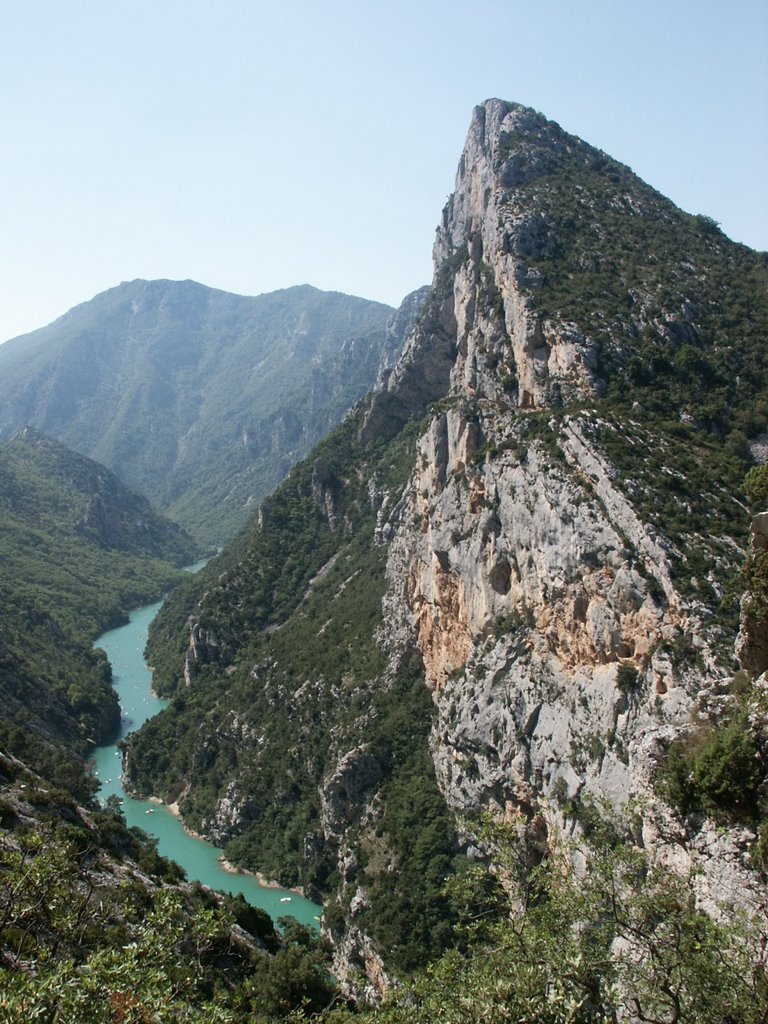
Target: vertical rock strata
542,606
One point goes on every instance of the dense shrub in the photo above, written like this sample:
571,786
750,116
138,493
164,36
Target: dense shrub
718,771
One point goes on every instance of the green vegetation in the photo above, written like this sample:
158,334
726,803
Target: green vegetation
719,768
754,577
297,678
756,488
622,941
678,310
77,541
85,940
407,854
77,551
255,585
687,486
626,678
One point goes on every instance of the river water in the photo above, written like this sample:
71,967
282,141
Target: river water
200,859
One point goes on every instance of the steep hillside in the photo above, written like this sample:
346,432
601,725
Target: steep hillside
94,924
508,584
96,927
78,551
200,399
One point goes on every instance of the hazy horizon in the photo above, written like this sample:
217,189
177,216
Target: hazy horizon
251,149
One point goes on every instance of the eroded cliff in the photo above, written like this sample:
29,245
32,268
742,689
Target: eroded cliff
568,635
536,521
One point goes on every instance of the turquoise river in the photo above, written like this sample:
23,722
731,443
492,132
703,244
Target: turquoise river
200,859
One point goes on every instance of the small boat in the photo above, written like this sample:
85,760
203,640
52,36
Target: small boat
285,899
150,811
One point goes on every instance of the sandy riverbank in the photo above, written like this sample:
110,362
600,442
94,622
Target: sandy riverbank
174,809
264,882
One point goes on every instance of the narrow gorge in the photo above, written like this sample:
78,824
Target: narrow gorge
482,670
508,584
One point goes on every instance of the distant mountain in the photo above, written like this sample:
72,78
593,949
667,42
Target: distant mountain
78,550
200,399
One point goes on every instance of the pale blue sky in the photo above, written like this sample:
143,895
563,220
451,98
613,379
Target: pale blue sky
252,148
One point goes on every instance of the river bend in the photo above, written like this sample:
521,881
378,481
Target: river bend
200,859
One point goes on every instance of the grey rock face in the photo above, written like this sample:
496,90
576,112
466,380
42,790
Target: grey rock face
421,375
543,607
345,793
399,326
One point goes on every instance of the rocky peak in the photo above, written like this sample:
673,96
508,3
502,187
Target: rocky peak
487,236
486,165
547,612
480,332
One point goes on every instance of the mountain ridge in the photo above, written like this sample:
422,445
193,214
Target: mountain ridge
196,397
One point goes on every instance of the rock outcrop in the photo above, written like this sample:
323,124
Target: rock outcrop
543,606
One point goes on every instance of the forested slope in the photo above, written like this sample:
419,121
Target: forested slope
79,550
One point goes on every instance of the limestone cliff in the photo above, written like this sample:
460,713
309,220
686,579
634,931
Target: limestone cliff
560,629
538,515
556,625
